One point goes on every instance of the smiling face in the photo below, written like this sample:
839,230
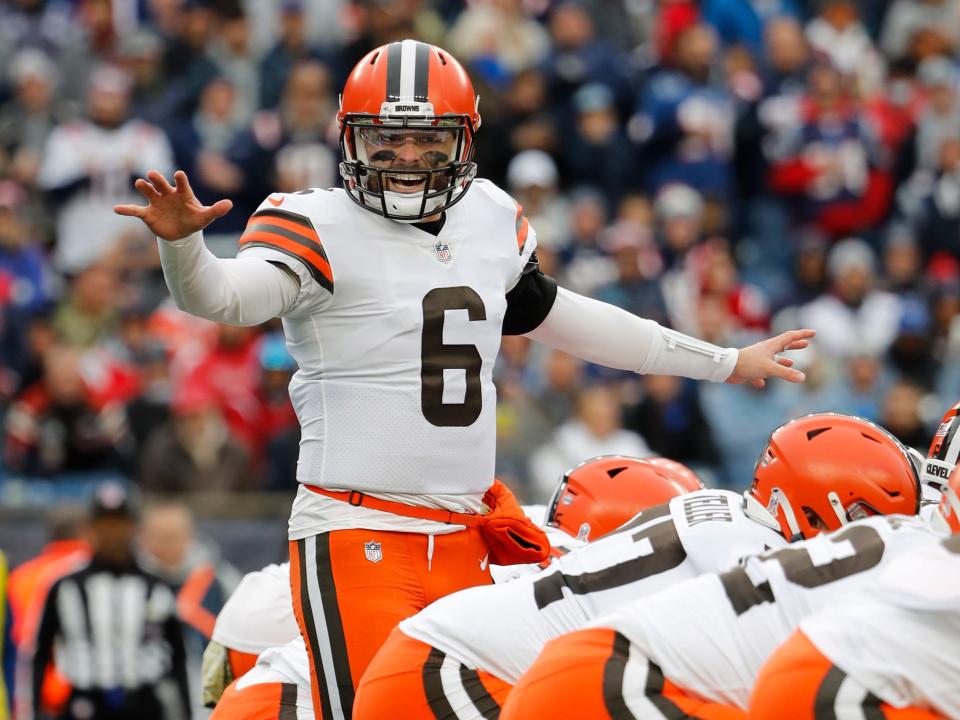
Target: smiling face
417,150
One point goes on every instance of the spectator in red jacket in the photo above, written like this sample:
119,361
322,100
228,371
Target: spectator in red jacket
62,423
828,162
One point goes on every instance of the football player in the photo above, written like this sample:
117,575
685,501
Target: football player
694,650
606,491
893,652
257,616
817,473
394,293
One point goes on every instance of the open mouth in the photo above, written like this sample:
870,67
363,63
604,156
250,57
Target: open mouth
406,183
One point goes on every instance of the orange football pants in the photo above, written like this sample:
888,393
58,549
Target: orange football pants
264,701
404,681
240,662
351,587
581,675
800,682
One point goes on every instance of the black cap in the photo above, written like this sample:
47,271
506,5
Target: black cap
111,499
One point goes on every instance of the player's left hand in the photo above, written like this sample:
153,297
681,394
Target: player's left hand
760,361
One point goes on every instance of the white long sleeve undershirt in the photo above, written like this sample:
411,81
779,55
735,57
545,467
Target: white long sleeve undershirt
250,291
242,291
606,335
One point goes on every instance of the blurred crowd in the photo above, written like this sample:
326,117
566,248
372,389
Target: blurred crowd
729,168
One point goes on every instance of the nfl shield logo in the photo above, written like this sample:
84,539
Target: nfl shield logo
443,252
373,551
774,503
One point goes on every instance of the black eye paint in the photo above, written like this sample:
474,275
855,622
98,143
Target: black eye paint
435,158
384,156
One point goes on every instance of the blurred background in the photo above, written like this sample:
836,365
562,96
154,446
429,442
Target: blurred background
729,168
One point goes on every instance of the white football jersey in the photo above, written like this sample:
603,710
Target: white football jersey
288,664
259,613
712,634
510,623
929,503
395,332
901,639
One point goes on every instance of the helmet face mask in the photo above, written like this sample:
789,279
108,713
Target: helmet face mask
820,472
437,179
402,95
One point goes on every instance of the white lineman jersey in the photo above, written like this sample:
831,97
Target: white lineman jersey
901,639
509,623
287,665
259,614
712,634
395,332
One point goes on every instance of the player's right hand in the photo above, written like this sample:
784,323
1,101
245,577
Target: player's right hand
173,212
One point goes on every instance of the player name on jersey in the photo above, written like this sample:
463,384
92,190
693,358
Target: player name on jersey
706,508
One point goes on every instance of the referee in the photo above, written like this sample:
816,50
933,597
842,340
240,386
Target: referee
113,629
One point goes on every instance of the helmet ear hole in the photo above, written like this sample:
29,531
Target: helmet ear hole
826,475
814,519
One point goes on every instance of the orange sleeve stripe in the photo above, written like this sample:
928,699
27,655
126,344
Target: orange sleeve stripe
312,257
522,234
286,225
522,227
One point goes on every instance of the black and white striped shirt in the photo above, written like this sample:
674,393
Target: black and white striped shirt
111,629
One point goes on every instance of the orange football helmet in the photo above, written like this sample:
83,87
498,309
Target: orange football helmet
819,472
944,451
950,503
601,494
402,91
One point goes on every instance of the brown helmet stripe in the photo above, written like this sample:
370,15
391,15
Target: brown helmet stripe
421,72
394,51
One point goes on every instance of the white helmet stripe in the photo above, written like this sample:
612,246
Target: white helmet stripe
408,69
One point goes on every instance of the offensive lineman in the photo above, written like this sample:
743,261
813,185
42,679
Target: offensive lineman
437,665
892,651
394,292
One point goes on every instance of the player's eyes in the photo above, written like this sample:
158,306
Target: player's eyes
392,139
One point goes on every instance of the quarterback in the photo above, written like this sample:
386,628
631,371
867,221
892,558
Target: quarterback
394,292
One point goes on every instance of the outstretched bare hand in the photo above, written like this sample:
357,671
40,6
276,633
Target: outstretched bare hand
173,212
761,360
